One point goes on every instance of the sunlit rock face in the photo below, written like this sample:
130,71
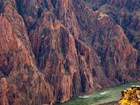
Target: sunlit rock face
20,81
51,50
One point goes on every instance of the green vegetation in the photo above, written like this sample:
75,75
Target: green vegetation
101,96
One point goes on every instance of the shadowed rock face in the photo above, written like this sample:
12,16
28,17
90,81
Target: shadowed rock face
126,14
51,50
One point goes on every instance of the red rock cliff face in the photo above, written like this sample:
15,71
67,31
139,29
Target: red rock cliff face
20,81
52,50
126,14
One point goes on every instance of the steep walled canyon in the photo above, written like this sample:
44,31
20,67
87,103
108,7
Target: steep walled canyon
51,50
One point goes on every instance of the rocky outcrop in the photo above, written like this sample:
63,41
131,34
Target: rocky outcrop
53,50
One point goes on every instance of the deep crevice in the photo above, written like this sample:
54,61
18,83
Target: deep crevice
1,6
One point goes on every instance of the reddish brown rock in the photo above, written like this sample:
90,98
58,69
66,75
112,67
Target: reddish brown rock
21,83
53,50
126,14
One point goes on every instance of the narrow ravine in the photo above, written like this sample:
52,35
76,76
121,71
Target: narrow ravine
101,96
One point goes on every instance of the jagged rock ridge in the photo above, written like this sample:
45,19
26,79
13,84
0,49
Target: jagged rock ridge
52,50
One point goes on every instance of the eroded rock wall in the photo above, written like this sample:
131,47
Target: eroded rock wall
52,50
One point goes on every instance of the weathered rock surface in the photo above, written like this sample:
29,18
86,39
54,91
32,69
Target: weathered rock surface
51,50
20,81
126,14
